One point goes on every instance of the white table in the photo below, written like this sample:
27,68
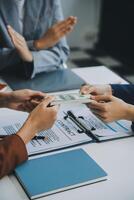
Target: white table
116,157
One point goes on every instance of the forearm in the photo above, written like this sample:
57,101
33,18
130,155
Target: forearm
12,153
27,131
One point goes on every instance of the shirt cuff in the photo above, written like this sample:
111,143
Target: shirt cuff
28,68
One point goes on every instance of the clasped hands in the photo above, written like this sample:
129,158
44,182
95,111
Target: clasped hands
49,39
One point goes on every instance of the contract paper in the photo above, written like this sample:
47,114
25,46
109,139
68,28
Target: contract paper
65,132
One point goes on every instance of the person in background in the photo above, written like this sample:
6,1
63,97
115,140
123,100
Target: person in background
13,148
111,102
37,31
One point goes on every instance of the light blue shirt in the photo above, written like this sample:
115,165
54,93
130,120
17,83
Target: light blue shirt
21,10
32,19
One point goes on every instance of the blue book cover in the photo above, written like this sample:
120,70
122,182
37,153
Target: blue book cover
47,175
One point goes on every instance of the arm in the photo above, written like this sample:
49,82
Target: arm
51,57
12,148
10,154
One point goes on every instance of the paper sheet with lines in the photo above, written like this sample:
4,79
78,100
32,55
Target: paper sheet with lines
62,134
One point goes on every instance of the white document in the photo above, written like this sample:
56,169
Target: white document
62,134
102,131
65,132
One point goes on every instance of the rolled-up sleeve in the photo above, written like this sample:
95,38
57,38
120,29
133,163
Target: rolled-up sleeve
12,153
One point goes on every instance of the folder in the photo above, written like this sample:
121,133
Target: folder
50,174
53,81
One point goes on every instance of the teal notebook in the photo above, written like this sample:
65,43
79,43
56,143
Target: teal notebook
58,172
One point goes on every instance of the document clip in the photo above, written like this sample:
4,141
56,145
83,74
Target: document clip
71,116
82,126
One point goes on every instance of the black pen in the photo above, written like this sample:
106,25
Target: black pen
3,136
38,137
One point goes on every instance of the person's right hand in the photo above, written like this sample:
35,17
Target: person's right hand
41,118
55,33
96,89
109,108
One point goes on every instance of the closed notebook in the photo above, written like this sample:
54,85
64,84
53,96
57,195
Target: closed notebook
47,175
54,81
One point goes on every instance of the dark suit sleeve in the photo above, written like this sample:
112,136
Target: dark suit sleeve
12,153
124,92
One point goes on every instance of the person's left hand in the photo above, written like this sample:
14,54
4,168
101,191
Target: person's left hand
55,33
24,100
20,45
109,108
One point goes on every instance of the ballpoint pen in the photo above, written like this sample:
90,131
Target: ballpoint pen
37,137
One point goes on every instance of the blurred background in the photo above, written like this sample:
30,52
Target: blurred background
104,35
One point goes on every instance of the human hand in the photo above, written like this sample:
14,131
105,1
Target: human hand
41,118
24,100
55,33
109,108
20,45
96,89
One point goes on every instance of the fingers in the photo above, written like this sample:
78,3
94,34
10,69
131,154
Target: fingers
97,106
102,98
14,33
70,21
100,102
20,45
26,107
17,39
87,89
37,96
47,101
67,31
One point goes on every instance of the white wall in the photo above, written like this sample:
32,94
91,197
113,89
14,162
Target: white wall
87,12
